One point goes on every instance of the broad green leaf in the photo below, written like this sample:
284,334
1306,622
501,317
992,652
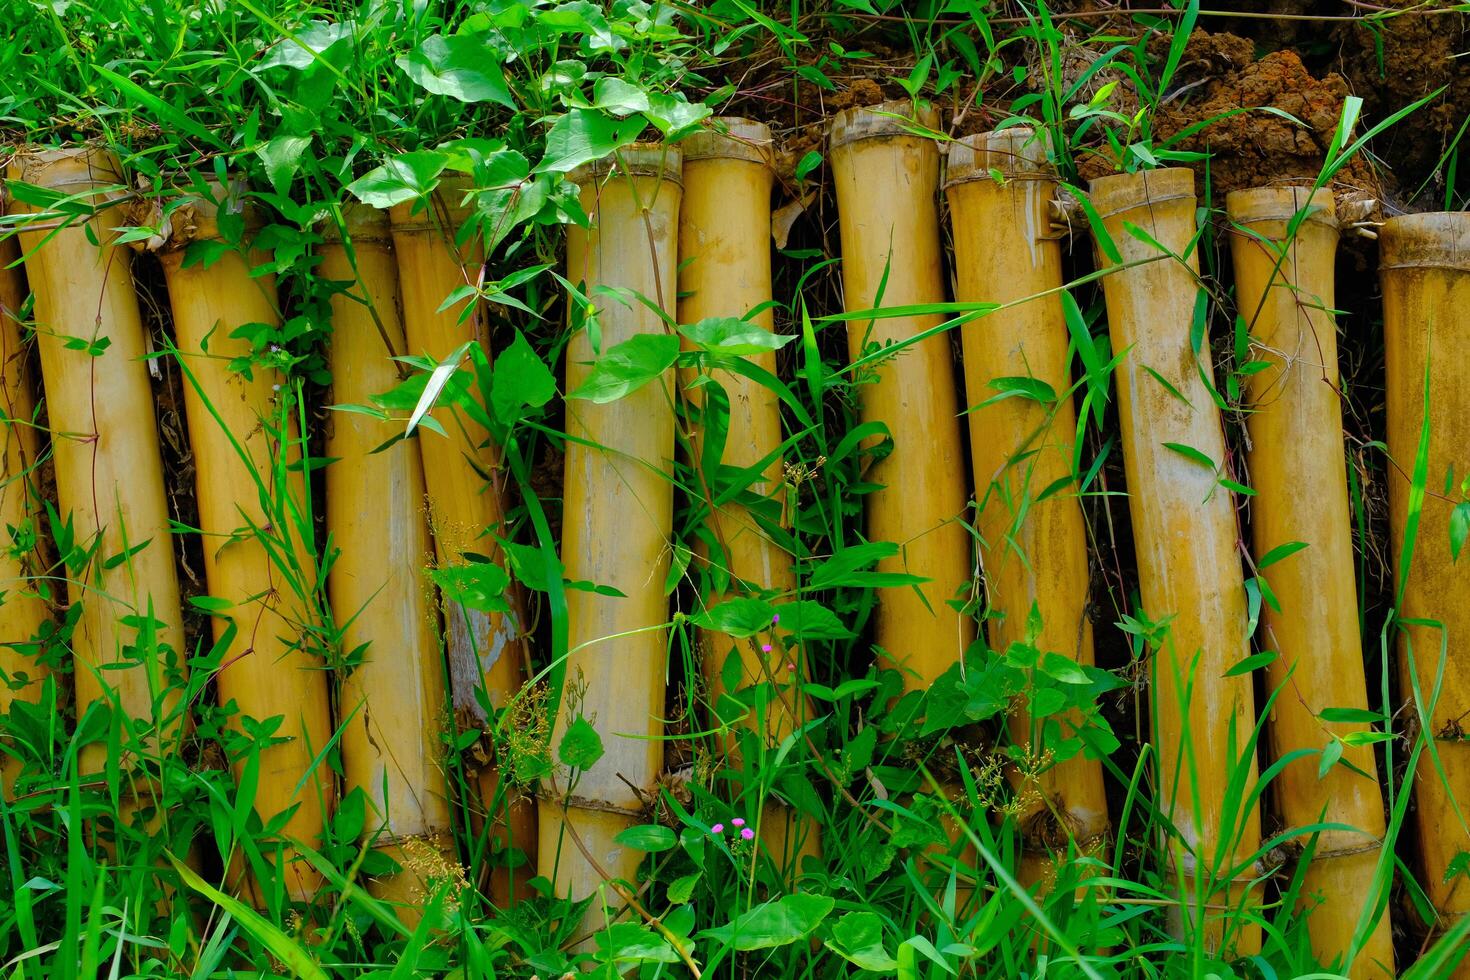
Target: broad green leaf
858,938
846,569
478,585
1191,454
281,158
435,384
583,135
773,924
400,179
1279,552
1360,716
520,380
581,746
740,617
632,942
1330,755
1459,528
619,97
302,48
1250,664
461,66
647,837
628,366
674,114
733,336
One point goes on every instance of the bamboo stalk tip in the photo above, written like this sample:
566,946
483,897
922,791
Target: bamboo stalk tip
1281,203
659,160
446,200
886,120
730,138
65,166
362,224
1434,239
197,219
1117,193
1019,152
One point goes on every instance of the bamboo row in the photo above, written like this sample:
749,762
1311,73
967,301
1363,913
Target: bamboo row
1033,551
725,271
258,556
485,650
886,179
1283,242
128,643
1185,536
1426,289
617,520
393,704
23,609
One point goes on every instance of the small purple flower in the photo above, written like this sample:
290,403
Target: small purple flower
775,619
738,822
718,828
765,648
747,834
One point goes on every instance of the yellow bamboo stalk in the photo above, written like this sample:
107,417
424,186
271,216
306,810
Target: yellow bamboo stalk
109,472
887,180
617,518
725,271
392,704
1185,534
461,472
23,610
1285,291
1032,551
267,670
1426,290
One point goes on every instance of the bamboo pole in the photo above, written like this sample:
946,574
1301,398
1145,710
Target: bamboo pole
109,472
725,271
1426,290
617,519
1185,535
887,180
23,607
485,651
393,703
1033,551
1285,290
250,511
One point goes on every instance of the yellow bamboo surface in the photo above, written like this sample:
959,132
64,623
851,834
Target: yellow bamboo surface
1185,534
109,473
887,180
725,271
1032,551
617,518
393,705
462,477
1426,290
22,610
1285,291
266,671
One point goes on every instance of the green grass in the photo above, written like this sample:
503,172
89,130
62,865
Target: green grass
317,105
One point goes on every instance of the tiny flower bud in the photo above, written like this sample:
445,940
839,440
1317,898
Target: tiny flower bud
765,648
747,834
718,828
738,821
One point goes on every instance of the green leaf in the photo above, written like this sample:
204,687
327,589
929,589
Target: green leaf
619,97
631,942
301,49
461,66
733,336
1355,716
773,924
1191,454
845,569
858,938
628,366
294,957
674,114
281,158
681,890
740,617
1063,668
480,585
1279,552
1330,755
1459,528
1032,389
520,380
400,179
583,135
581,746
1251,664
647,837
210,603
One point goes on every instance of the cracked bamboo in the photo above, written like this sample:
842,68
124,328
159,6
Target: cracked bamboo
484,649
23,608
1285,291
887,180
393,704
263,570
617,520
109,471
725,271
1426,290
1185,534
1032,550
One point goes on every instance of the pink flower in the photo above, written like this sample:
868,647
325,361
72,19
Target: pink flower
718,828
775,619
747,834
738,822
765,648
